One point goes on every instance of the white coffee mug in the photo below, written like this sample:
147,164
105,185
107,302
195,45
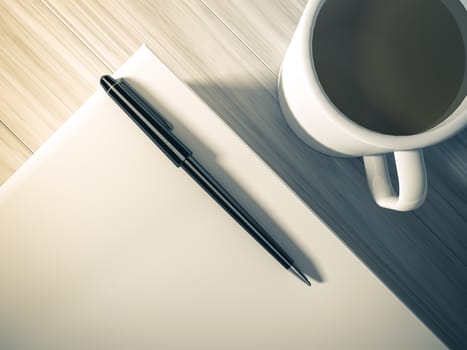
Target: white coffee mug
370,77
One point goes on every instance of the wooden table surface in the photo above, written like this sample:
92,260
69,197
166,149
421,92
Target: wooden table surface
52,53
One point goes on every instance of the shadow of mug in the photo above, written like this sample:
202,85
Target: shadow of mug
209,158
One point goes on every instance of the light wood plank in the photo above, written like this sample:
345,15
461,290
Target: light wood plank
45,71
185,35
13,153
265,26
111,44
200,49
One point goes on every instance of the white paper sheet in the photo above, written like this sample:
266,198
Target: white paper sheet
104,244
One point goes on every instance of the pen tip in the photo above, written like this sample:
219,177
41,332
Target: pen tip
107,82
300,275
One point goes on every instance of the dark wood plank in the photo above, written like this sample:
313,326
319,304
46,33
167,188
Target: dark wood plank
445,212
447,166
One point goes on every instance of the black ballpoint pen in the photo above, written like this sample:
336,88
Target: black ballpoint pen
158,129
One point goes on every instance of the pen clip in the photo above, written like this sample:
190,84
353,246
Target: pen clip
165,122
156,116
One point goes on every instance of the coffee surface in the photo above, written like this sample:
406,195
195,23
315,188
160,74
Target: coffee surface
392,66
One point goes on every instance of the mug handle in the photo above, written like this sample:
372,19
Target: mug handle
411,173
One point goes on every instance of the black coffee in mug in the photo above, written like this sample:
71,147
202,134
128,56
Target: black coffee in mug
392,66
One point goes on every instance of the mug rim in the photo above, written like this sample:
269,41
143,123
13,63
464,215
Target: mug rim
450,125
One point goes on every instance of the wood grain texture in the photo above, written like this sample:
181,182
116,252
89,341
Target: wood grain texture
13,153
445,211
229,53
45,71
265,26
185,34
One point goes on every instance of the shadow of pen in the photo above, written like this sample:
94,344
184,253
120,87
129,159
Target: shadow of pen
209,159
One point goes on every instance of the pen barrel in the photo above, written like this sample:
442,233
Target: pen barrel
159,131
236,211
149,121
